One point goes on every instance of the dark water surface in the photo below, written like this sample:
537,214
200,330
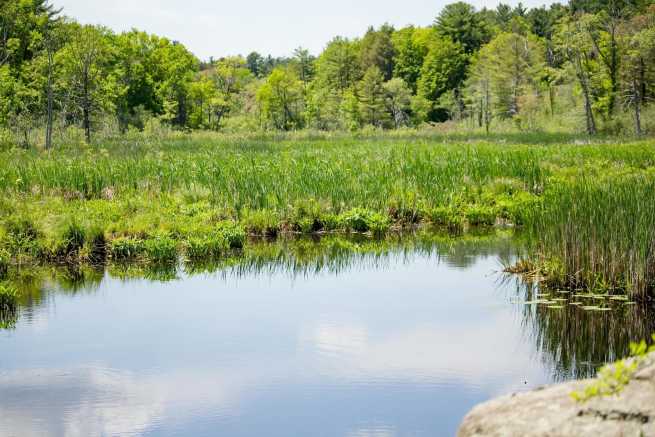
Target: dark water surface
393,341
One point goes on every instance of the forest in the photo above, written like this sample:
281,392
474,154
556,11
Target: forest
588,66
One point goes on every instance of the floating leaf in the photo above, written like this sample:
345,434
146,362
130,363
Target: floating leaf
537,301
619,298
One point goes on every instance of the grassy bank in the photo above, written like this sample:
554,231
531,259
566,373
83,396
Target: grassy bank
155,199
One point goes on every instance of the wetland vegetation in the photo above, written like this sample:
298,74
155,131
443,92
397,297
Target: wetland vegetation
510,139
586,210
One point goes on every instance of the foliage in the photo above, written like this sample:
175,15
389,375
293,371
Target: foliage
62,82
613,378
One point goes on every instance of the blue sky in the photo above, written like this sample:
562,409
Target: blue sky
219,27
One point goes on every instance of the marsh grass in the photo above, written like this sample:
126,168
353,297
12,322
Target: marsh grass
598,233
588,206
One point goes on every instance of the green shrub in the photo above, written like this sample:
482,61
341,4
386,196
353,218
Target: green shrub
160,249
22,234
262,222
448,218
307,217
96,244
124,248
363,220
8,297
481,215
72,239
4,263
233,234
206,247
407,208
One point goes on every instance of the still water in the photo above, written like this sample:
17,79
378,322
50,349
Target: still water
389,341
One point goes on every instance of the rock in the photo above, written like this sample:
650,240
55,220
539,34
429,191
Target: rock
551,411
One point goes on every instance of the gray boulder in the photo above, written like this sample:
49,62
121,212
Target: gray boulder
551,411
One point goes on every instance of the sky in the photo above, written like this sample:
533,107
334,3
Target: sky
229,27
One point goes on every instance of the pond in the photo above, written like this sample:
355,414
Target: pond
312,338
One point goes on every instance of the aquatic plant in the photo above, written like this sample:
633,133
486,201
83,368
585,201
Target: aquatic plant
601,232
8,297
4,263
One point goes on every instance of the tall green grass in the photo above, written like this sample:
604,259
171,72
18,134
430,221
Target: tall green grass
587,205
598,232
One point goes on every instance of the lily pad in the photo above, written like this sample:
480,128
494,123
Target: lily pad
619,298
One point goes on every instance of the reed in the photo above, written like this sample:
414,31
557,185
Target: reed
599,233
587,206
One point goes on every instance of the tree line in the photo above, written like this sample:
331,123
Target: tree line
596,57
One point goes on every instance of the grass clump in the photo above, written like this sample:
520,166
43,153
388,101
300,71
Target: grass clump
4,263
601,230
448,218
22,235
207,246
126,248
8,298
363,220
160,249
261,222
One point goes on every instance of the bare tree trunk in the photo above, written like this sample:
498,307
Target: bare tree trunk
86,107
49,115
487,112
637,101
589,114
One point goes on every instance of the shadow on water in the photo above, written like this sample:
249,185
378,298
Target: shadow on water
572,342
576,342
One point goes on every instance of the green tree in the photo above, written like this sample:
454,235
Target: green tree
178,68
21,21
571,38
443,70
372,98
255,63
638,63
505,75
304,63
398,101
411,46
376,49
86,75
338,66
281,99
462,24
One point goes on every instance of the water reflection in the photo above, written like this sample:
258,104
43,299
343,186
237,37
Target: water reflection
328,337
575,343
